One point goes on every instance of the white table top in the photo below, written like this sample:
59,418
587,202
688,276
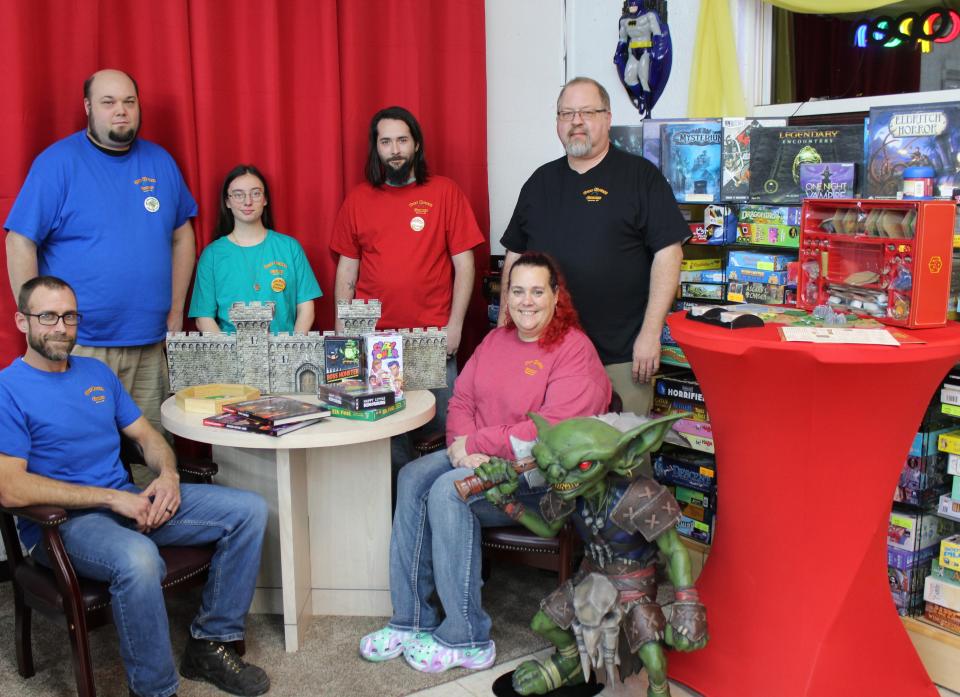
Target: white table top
329,432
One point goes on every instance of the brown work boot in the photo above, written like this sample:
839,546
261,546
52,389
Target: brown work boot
220,665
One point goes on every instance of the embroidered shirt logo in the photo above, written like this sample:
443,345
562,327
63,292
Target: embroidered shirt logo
420,207
96,393
595,194
146,184
532,367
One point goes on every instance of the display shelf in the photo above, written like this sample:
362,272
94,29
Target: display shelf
938,650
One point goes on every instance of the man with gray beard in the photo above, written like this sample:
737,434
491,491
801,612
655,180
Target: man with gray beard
611,221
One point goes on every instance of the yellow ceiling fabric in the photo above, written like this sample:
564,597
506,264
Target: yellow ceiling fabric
829,7
715,87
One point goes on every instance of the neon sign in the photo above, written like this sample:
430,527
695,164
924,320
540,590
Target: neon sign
935,26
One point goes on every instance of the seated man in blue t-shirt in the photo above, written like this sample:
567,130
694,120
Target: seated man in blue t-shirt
60,418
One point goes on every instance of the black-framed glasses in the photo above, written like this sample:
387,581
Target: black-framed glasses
585,114
240,196
50,319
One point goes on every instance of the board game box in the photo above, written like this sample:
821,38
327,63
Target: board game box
735,185
911,136
776,154
690,160
341,358
828,180
383,354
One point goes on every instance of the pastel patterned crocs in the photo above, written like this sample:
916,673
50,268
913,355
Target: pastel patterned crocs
430,656
388,643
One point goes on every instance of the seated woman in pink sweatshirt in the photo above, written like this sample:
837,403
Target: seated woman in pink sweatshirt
542,362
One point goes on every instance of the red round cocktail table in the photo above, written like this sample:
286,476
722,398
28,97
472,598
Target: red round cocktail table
810,441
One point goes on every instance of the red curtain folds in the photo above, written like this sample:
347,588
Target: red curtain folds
289,86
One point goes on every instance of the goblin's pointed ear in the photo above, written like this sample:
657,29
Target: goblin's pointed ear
541,423
643,439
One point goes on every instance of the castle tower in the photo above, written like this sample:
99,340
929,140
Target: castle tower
253,342
359,316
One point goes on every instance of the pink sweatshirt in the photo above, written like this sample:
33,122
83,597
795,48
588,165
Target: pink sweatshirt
506,378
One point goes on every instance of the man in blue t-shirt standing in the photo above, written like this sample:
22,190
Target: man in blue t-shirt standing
60,421
110,213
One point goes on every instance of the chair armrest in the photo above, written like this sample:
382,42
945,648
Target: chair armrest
197,469
45,516
430,442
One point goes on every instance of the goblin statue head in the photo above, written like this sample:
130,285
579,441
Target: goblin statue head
577,454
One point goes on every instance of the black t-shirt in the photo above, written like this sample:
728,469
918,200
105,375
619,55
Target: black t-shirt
603,228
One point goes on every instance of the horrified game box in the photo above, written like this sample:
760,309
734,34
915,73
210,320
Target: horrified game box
911,136
777,153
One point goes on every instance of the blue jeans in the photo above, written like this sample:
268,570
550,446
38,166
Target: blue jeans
107,547
401,447
436,546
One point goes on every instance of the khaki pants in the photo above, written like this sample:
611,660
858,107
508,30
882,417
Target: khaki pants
143,372
637,397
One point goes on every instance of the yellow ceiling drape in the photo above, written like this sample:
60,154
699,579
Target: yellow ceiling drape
715,86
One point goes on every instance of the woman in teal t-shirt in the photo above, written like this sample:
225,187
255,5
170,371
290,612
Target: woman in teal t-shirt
250,261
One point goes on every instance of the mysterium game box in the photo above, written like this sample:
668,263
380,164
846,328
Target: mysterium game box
911,136
690,157
777,153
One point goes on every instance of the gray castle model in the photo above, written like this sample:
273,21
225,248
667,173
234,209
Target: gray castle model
292,363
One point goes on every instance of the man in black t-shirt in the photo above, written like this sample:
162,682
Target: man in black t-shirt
611,221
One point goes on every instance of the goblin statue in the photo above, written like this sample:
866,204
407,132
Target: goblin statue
607,615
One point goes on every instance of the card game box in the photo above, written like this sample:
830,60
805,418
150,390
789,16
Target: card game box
690,160
735,184
776,154
771,235
682,467
942,617
916,530
950,553
739,259
702,291
356,395
911,136
383,361
762,293
341,358
828,180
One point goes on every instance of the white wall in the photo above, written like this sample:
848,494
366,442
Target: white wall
533,47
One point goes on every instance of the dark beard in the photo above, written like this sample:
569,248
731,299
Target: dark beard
400,175
118,138
40,345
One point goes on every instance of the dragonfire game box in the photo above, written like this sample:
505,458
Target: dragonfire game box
777,153
690,160
911,136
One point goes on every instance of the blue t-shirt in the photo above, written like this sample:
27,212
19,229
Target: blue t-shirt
105,224
65,425
275,270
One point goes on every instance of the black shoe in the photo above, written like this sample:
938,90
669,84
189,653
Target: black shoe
220,665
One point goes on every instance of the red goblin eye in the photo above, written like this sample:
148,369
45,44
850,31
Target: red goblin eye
585,465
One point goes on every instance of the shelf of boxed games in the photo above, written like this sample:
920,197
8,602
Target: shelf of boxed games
923,548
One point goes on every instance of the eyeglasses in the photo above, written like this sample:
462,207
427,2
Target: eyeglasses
240,196
50,319
585,114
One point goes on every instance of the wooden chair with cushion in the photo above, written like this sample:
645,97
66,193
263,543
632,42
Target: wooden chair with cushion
516,544
59,592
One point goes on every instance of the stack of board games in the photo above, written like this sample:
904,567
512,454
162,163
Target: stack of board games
354,399
273,416
758,277
690,470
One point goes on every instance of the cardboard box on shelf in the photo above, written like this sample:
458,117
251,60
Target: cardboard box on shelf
914,530
950,552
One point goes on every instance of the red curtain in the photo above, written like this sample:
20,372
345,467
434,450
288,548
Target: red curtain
287,85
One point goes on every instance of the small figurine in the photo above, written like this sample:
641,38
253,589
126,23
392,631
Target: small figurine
643,56
607,615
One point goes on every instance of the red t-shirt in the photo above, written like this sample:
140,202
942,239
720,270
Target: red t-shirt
404,237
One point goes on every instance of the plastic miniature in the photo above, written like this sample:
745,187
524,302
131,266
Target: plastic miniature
643,56
608,614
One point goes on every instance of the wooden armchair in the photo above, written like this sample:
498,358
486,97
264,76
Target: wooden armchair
59,592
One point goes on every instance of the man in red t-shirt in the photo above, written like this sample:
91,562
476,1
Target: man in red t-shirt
407,238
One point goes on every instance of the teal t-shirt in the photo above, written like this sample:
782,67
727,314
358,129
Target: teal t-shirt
275,270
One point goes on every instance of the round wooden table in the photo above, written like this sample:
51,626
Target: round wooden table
328,486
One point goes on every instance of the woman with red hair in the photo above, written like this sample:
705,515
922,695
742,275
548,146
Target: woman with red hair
540,361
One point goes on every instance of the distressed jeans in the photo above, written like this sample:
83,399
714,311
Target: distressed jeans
435,545
105,546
